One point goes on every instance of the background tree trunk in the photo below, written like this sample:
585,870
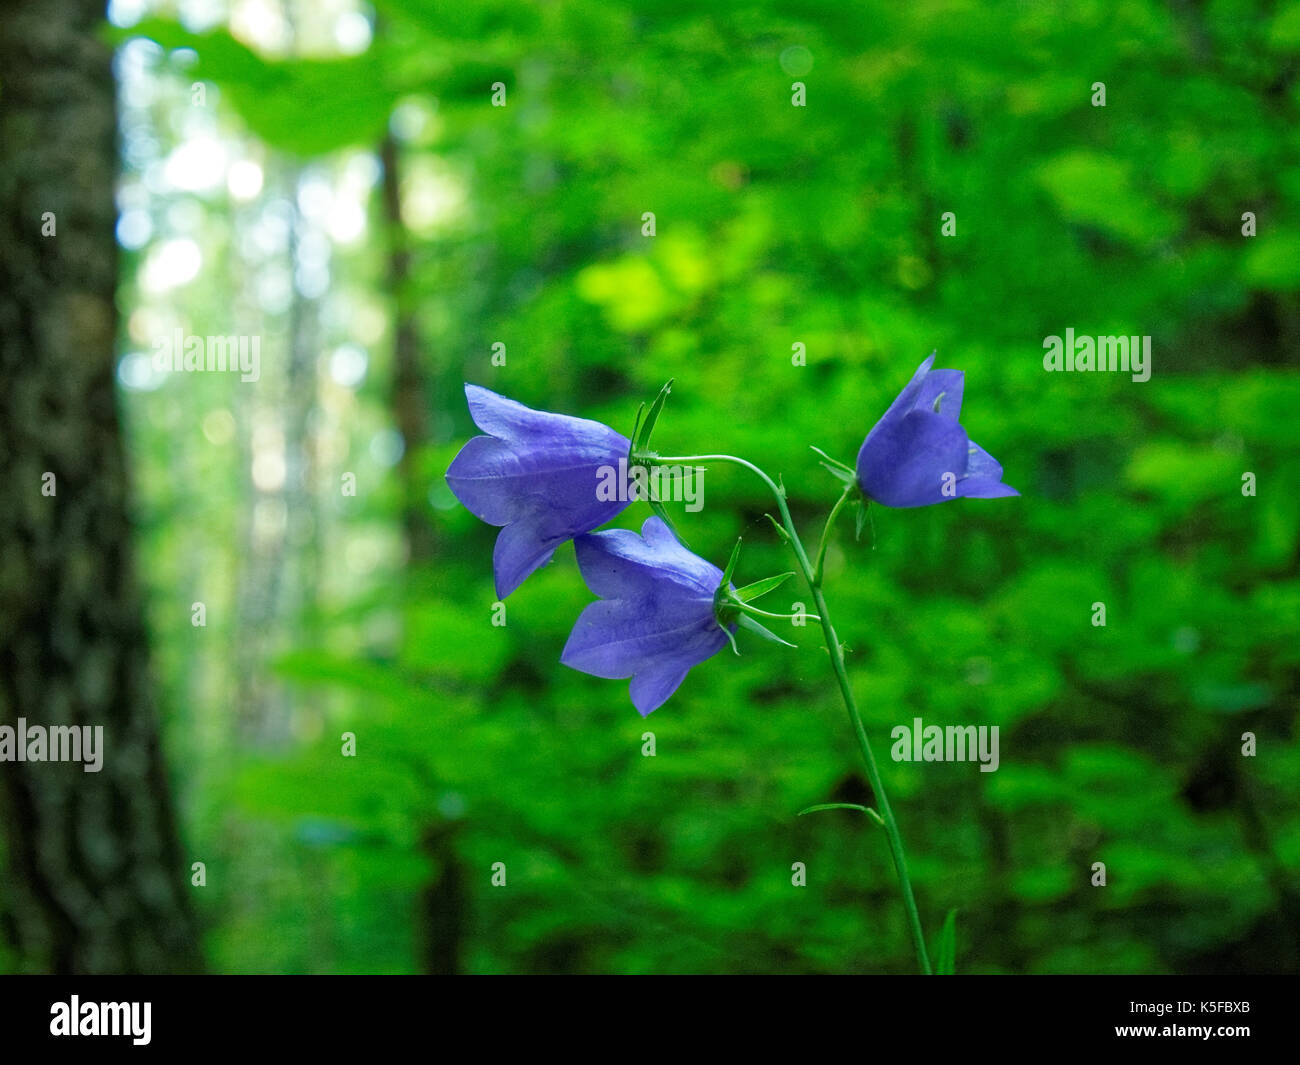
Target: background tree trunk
444,902
95,879
409,394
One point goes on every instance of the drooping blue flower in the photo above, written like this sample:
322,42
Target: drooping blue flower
536,475
918,453
655,618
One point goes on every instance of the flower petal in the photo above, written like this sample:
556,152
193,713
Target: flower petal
902,405
537,474
651,687
506,419
906,399
904,466
909,455
474,478
983,478
520,550
982,464
552,491
982,488
656,618
511,421
594,644
617,638
945,386
619,564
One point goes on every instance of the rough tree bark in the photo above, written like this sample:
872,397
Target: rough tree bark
95,879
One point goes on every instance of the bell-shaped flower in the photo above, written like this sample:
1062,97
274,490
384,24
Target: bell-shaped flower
656,615
918,453
537,476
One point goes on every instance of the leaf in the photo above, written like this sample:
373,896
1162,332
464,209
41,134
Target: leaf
305,106
945,950
1094,189
1274,261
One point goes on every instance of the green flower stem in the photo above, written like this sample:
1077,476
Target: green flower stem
813,577
826,532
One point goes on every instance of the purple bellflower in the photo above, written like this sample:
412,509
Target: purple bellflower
535,475
918,453
656,615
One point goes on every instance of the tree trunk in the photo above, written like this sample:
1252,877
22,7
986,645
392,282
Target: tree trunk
445,901
409,395
95,880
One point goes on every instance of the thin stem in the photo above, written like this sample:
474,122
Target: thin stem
826,533
813,577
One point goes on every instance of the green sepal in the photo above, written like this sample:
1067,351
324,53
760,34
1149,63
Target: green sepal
846,475
861,518
780,529
660,512
636,429
724,608
731,568
834,462
639,452
747,622
730,637
760,588
641,441
840,475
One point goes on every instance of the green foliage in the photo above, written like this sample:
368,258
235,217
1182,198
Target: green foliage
305,107
779,225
